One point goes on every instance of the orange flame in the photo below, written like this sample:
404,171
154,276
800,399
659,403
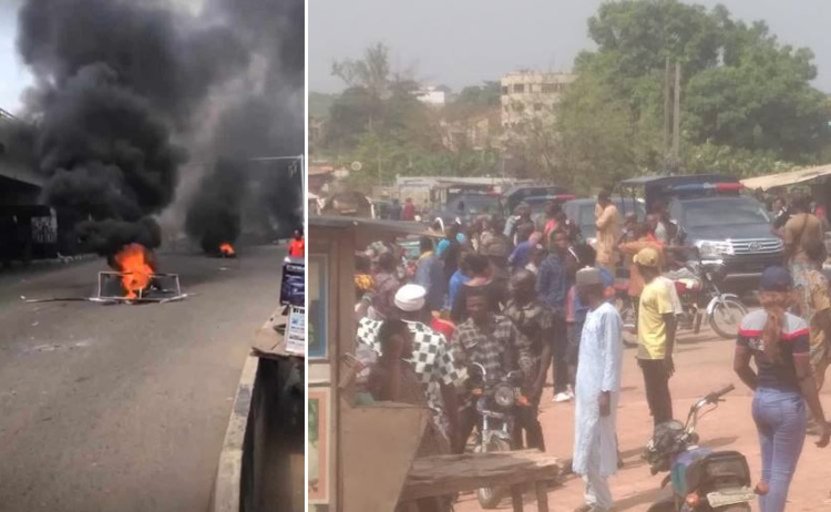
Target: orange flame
134,264
226,249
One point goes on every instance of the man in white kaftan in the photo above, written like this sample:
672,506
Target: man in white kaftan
596,394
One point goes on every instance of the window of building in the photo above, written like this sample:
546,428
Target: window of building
519,88
504,89
537,107
549,88
519,107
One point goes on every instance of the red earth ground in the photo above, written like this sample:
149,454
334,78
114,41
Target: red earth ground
703,364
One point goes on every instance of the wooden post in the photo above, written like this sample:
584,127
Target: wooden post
542,495
516,497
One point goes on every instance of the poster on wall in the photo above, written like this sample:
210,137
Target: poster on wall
318,278
317,450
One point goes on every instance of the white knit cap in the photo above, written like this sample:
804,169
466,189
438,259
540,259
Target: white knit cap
410,297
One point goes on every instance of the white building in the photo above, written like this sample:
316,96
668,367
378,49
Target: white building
432,96
531,94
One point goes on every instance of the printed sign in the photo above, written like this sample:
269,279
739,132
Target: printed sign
296,331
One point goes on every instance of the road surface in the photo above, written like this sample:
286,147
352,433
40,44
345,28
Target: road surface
703,364
119,407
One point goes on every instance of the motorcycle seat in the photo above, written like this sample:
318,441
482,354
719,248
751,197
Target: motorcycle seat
718,466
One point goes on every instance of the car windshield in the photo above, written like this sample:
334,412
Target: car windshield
476,203
717,211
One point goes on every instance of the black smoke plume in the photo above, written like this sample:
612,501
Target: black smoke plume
214,216
266,118
116,79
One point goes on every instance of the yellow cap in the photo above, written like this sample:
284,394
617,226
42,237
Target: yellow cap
648,257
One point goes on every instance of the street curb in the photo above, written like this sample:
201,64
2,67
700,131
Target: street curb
61,260
226,495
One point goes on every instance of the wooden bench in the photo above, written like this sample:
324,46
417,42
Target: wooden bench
442,475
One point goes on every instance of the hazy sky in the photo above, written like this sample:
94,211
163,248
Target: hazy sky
13,74
462,42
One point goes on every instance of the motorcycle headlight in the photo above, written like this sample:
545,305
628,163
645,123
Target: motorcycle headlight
503,396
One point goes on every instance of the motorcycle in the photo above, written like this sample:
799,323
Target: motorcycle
699,295
702,479
496,400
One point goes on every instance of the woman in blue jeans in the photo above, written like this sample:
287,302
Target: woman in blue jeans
783,384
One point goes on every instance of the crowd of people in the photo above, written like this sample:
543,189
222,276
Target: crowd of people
529,294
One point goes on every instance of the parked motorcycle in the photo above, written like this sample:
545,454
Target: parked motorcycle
496,399
699,295
702,479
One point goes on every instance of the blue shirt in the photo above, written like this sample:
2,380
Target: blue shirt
430,274
519,258
552,283
456,282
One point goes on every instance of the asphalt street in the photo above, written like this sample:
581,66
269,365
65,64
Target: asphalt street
124,407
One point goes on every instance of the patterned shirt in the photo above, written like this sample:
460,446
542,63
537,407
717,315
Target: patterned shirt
385,287
812,296
500,345
432,360
535,323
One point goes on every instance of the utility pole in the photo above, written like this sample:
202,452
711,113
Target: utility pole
667,109
676,119
378,156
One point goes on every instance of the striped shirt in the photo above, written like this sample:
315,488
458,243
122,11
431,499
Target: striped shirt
793,342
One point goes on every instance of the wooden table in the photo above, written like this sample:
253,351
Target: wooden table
442,475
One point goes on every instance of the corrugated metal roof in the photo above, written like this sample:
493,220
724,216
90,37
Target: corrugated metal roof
785,179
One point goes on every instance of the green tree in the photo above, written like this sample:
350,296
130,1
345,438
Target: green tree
748,105
372,72
349,118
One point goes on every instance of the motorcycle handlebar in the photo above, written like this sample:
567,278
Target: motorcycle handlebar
716,395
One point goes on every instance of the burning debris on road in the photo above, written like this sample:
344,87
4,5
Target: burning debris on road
227,250
125,91
135,263
118,81
214,217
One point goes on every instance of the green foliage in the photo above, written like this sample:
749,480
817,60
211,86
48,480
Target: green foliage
748,106
738,162
475,100
371,73
600,141
396,156
320,103
379,122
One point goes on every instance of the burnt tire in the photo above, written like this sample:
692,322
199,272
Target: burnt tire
489,497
